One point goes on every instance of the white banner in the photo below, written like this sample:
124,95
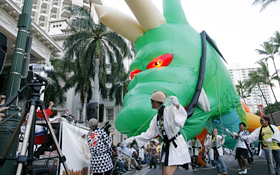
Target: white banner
75,149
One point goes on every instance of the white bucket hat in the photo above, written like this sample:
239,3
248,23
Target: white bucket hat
159,96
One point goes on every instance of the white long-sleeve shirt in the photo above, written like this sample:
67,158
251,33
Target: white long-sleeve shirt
256,133
197,145
173,120
209,144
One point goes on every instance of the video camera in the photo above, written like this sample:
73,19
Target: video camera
39,79
39,69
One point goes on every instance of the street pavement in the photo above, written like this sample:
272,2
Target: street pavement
258,168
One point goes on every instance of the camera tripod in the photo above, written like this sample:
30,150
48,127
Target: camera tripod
29,135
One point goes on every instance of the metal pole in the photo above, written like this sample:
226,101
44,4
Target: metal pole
7,128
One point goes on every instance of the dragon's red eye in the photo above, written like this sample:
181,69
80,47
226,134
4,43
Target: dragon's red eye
133,73
163,60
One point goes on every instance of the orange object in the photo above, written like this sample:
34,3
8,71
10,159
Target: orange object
246,108
202,150
202,134
201,138
253,122
200,161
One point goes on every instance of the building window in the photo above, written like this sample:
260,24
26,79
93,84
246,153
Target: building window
110,114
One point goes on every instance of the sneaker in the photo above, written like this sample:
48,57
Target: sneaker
194,170
213,167
139,167
241,172
245,171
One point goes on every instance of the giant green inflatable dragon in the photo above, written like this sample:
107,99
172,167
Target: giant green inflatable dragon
168,55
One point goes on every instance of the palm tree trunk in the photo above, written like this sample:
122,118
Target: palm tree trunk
266,104
83,100
275,69
242,96
275,98
96,73
84,112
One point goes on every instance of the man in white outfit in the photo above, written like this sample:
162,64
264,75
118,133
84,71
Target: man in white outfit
194,147
214,144
242,149
167,124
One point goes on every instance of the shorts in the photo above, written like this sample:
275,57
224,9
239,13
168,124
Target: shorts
241,152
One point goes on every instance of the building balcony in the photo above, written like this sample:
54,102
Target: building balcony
42,17
45,2
55,2
42,24
67,2
34,11
43,10
53,16
65,13
54,8
87,6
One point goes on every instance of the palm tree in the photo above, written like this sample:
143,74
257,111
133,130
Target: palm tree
276,42
80,79
254,79
92,47
55,91
241,88
276,39
119,87
269,49
264,3
266,78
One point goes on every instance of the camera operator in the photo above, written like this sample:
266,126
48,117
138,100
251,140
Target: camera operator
2,115
99,143
2,98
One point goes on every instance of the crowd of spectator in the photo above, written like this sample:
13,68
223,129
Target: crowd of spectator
132,157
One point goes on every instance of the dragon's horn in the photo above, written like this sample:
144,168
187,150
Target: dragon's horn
173,11
146,13
121,23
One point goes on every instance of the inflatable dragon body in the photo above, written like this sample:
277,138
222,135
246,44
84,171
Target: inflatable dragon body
168,55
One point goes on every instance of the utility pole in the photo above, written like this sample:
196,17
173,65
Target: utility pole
7,128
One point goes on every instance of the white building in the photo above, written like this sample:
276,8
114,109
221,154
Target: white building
49,23
240,74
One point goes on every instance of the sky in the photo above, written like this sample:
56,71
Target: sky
237,26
